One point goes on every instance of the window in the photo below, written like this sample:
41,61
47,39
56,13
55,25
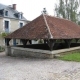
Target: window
6,23
21,16
1,12
21,24
6,13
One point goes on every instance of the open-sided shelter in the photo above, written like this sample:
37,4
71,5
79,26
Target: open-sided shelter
48,28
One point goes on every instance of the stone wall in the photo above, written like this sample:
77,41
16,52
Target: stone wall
14,25
36,53
1,25
26,52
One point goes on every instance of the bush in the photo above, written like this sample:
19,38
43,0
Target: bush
4,34
40,41
2,49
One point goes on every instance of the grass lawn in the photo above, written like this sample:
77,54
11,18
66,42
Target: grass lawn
71,57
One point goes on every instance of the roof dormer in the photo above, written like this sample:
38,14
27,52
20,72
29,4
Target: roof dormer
6,13
19,15
1,12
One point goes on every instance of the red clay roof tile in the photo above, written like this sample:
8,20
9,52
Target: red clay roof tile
38,29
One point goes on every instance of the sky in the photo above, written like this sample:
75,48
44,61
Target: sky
32,8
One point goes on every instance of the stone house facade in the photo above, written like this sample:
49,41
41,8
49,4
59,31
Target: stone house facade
10,20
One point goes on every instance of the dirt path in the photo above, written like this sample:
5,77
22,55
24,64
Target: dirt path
12,68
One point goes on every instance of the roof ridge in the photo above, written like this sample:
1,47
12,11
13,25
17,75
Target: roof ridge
60,18
47,26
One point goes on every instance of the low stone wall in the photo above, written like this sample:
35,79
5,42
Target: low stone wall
26,52
36,53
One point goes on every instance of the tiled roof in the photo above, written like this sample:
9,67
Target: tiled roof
63,29
47,27
11,11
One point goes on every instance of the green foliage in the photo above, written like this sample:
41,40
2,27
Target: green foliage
79,22
59,41
73,41
40,41
4,34
71,57
67,9
2,49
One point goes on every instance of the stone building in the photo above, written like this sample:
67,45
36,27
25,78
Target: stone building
10,20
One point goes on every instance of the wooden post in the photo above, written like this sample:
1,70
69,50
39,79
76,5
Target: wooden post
24,41
51,43
45,41
30,42
7,41
68,42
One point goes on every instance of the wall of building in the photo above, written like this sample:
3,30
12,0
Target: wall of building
1,25
2,41
14,25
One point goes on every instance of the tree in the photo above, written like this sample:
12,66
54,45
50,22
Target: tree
67,9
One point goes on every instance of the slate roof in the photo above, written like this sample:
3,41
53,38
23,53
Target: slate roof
11,12
47,27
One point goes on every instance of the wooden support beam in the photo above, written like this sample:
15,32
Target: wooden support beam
30,42
45,41
7,41
51,43
24,41
68,42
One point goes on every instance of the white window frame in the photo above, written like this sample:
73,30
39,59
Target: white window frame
21,22
21,15
4,13
4,24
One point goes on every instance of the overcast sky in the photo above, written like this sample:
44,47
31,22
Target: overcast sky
32,8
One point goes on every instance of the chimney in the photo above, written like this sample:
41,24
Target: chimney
14,6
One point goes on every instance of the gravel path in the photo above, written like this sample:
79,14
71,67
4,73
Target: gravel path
12,68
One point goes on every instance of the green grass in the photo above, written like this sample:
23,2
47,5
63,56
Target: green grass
71,57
